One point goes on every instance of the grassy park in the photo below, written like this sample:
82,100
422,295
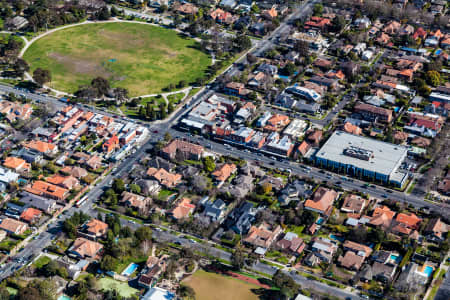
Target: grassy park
143,58
213,286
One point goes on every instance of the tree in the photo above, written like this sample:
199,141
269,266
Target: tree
318,9
101,85
167,137
108,263
433,78
242,42
266,187
288,287
30,293
143,233
50,269
41,76
238,258
118,186
289,69
4,294
186,292
20,67
302,48
209,164
104,14
46,288
134,188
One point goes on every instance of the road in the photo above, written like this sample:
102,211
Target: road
444,290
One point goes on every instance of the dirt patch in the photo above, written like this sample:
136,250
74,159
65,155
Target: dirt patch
80,66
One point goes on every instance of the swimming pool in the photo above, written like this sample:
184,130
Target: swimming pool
396,258
428,270
63,297
320,221
130,269
336,238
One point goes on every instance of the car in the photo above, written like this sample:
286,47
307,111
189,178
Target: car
384,196
155,131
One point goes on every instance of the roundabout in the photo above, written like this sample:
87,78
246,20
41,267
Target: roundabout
143,58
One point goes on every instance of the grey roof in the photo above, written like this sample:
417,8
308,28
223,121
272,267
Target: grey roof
385,158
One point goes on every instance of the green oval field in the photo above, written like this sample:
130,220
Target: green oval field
141,58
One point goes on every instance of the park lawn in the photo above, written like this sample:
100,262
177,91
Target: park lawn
212,286
175,98
41,261
107,283
142,58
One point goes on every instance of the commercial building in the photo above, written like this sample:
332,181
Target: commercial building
365,157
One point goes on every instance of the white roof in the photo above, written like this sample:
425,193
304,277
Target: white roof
385,158
157,293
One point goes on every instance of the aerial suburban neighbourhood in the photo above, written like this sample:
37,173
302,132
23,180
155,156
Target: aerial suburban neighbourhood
224,149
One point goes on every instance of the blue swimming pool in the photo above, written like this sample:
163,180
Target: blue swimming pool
395,257
63,297
428,270
319,221
336,238
130,269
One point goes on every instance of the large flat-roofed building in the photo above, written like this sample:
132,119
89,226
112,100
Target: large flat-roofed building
365,157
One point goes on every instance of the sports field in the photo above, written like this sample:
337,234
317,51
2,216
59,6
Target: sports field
213,286
140,57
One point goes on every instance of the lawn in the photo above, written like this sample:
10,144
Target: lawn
143,58
122,288
175,98
41,261
212,286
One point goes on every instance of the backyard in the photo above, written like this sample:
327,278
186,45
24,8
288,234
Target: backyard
122,288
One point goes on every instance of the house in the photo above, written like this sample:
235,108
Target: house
8,176
314,137
291,244
186,8
84,248
156,293
353,204
436,230
263,235
353,129
165,178
222,173
270,13
46,205
372,113
351,260
322,201
236,89
16,23
317,23
302,149
31,215
42,147
276,183
382,216
392,27
3,235
135,201
411,278
221,16
406,224
183,209
214,211
12,226
76,172
182,150
358,249
154,267
244,113
283,146
93,162
257,80
95,228
111,144
268,69
149,187
15,111
29,155
241,218
67,182
323,249
42,188
295,191
383,272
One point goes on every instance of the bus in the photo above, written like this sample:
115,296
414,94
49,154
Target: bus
81,201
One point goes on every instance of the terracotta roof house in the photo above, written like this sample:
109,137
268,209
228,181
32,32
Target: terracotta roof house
270,13
351,260
223,172
67,182
42,147
31,215
277,122
95,228
400,136
420,33
303,148
15,111
353,204
406,224
392,27
182,150
42,188
353,129
135,201
317,22
164,178
436,229
322,201
263,235
421,142
183,209
12,226
17,164
382,216
291,243
371,112
359,249
221,16
111,144
84,248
